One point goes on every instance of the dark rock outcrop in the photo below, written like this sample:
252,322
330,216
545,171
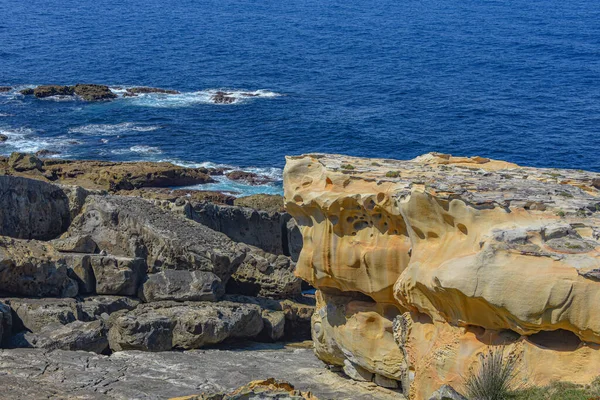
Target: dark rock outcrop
265,275
132,227
161,326
96,307
24,162
32,209
33,314
117,275
222,98
3,138
271,203
91,92
4,89
32,268
254,227
143,90
77,335
52,90
182,286
248,177
149,332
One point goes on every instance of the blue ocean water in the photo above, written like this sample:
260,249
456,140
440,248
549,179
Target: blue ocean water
516,80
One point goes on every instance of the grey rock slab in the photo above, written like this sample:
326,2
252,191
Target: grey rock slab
34,314
93,307
42,374
147,332
117,275
182,286
32,209
134,227
447,392
78,335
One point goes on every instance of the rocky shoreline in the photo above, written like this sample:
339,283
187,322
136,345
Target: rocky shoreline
421,266
103,257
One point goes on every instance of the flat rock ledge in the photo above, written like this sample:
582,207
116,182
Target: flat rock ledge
41,374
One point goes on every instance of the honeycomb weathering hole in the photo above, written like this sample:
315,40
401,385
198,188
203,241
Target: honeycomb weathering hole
463,229
558,340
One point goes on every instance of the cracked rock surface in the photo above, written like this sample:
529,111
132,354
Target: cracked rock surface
41,374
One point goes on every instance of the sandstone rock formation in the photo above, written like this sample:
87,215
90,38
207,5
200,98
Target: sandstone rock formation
260,389
423,264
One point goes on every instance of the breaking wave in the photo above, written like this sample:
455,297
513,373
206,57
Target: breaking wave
112,129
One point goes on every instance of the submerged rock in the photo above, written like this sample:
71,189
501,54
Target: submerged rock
142,90
3,138
4,89
222,98
248,177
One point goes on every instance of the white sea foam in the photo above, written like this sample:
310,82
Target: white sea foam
59,98
140,149
163,100
236,188
25,140
146,149
112,129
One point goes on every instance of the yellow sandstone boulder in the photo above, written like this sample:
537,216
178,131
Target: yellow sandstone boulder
449,255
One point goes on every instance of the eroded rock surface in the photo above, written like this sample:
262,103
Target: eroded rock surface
32,209
41,374
135,228
447,256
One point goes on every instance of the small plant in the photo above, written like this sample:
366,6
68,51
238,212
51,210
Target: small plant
560,213
565,194
554,175
494,378
392,174
347,166
376,164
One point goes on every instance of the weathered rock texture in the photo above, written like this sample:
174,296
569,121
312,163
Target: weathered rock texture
43,374
32,209
446,256
135,228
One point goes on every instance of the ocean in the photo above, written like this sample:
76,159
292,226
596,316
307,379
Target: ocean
513,80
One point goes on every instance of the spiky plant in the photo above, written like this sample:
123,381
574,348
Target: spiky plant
494,377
